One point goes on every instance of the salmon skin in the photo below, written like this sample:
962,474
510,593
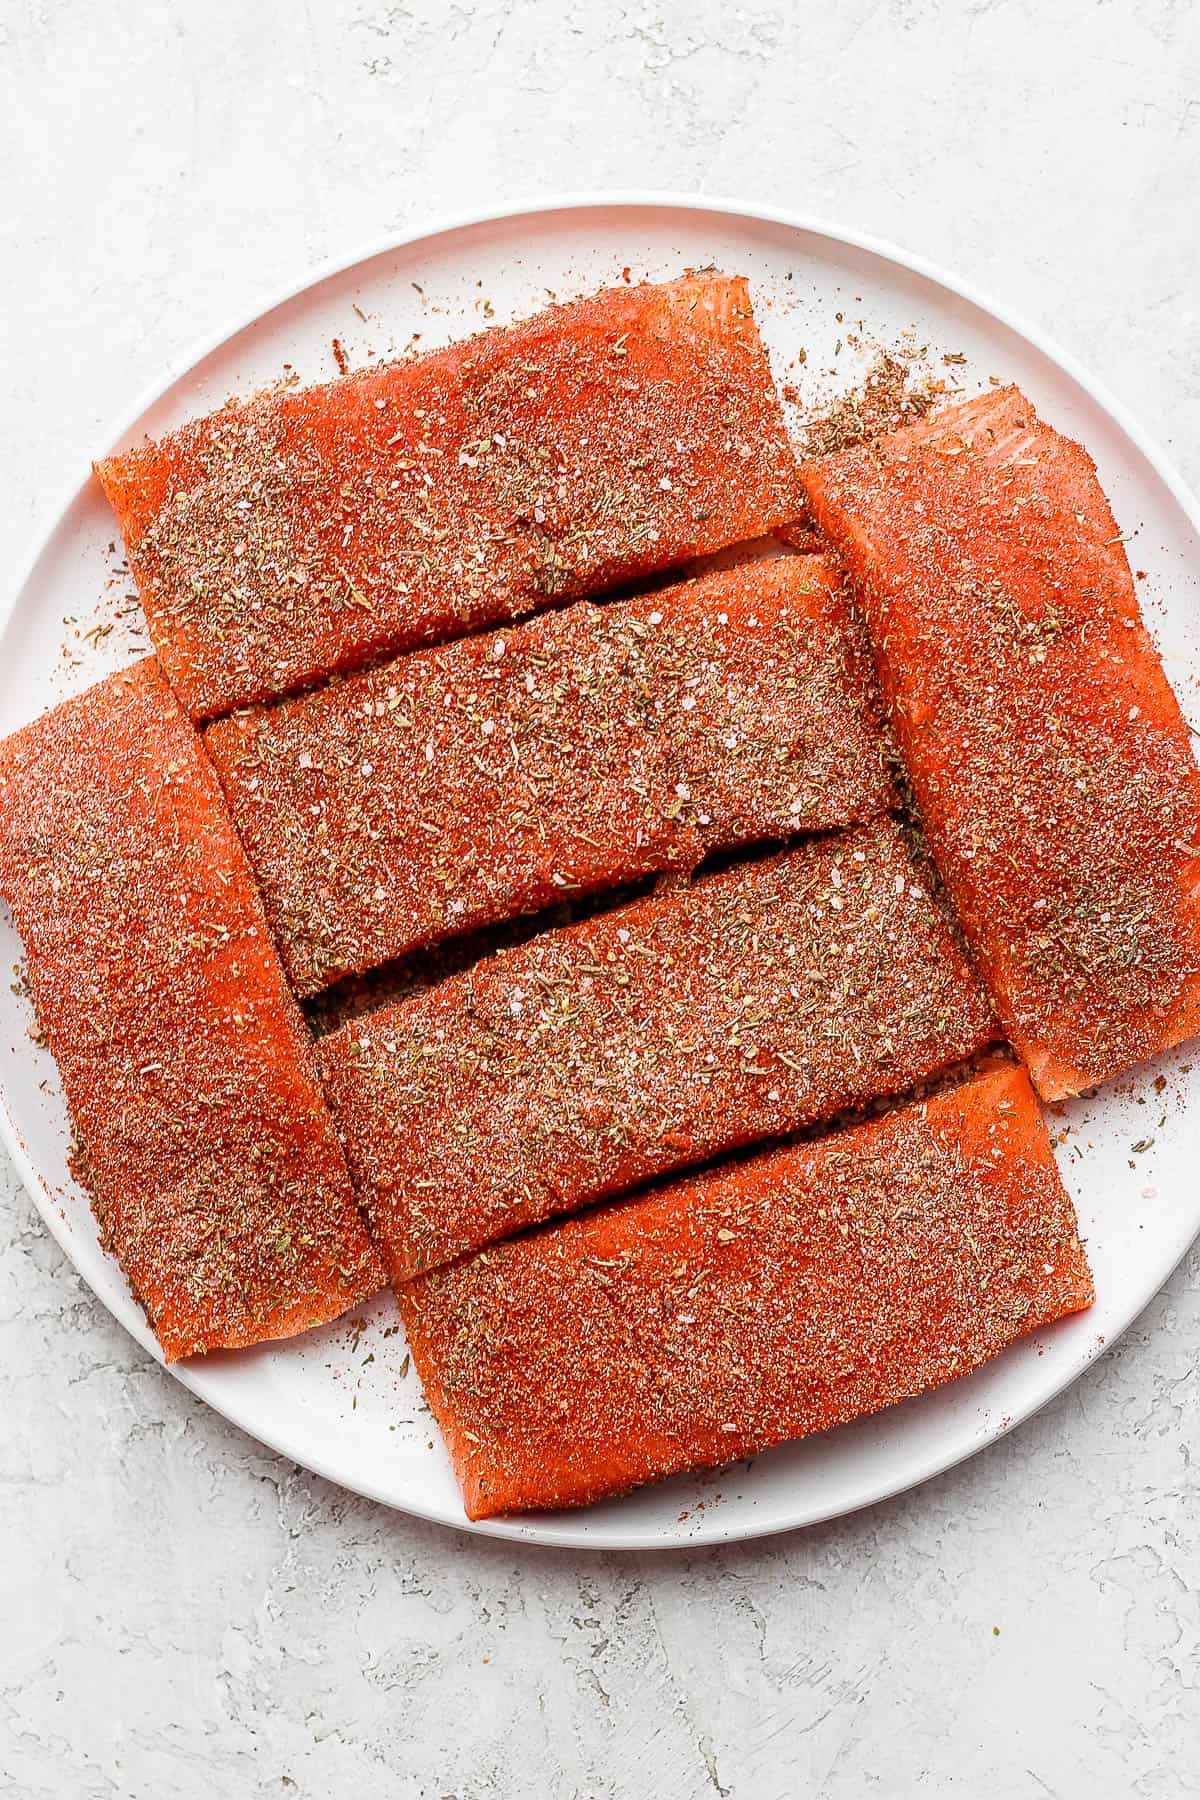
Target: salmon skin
465,785
216,1174
312,530
732,1311
570,1068
1047,753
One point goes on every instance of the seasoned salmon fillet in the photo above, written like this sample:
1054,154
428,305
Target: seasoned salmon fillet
201,1130
574,1066
313,529
729,1312
1047,753
464,785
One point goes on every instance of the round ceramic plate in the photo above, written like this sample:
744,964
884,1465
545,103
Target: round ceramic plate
344,1400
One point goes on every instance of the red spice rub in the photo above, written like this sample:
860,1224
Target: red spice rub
202,1133
802,538
1046,751
468,784
733,1311
310,531
579,1064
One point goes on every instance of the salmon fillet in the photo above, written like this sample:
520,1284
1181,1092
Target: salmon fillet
591,1058
732,1311
311,530
201,1130
467,784
1047,753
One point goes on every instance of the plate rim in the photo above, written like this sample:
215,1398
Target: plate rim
536,1530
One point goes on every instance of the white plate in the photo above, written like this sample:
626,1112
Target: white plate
337,1400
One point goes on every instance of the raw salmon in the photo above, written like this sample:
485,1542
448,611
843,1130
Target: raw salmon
1047,753
460,786
202,1133
732,1311
314,529
591,1058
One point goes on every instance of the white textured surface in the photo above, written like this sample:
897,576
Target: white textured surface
184,1614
